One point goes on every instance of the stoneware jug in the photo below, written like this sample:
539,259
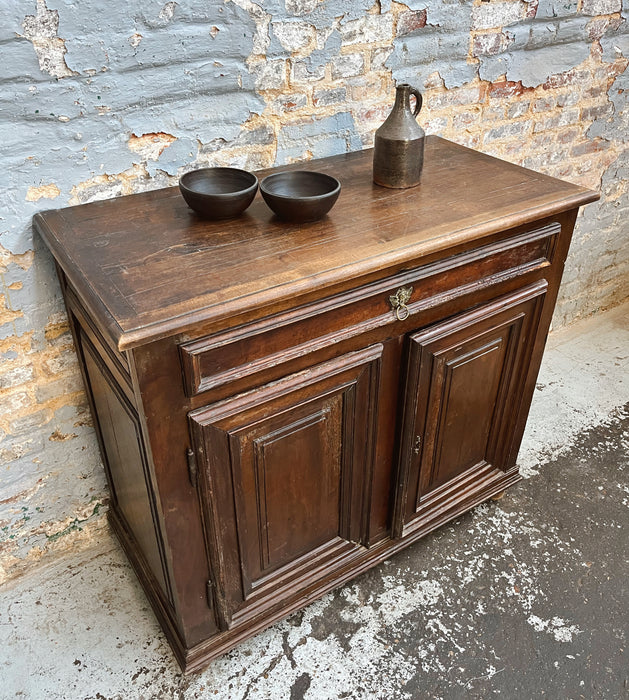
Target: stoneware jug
398,154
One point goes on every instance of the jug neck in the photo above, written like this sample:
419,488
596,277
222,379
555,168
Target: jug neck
402,97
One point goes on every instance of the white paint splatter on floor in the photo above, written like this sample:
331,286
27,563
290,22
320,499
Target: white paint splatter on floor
561,630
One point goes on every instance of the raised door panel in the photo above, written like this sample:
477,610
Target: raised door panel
460,407
464,383
285,481
292,475
124,456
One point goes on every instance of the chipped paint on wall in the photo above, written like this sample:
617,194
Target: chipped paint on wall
101,100
41,29
49,191
150,146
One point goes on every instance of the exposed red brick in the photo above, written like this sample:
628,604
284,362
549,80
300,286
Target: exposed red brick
464,120
454,96
544,104
595,91
434,80
506,88
609,71
564,171
491,43
374,113
559,80
596,50
410,21
596,112
513,148
582,149
596,28
541,141
570,77
568,135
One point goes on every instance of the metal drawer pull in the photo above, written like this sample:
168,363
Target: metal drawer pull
398,303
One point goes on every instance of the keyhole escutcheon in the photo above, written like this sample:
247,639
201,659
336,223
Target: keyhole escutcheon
399,302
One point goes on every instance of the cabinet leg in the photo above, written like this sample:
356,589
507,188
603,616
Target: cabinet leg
497,496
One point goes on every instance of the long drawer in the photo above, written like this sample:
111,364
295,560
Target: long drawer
221,358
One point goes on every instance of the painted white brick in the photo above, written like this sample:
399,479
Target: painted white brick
347,66
300,7
368,29
489,15
294,36
14,402
601,7
16,376
270,75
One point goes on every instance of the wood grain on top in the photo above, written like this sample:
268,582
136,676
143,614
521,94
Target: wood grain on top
148,267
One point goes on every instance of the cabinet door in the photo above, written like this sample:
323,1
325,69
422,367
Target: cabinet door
285,482
464,383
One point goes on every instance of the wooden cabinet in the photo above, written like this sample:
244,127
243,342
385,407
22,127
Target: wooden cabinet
281,407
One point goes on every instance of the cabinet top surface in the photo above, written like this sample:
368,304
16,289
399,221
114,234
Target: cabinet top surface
147,267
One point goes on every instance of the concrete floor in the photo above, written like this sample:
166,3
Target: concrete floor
523,598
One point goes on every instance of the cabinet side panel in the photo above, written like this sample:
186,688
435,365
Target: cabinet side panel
560,251
120,431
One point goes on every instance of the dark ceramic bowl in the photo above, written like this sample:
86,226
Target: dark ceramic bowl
218,193
300,195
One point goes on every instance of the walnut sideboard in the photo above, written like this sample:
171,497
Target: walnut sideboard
282,406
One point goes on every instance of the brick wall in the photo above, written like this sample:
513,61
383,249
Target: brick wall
103,99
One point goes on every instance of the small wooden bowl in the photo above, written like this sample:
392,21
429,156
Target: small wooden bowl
218,193
300,195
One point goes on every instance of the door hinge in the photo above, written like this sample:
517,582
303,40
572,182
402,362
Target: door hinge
216,602
209,592
192,467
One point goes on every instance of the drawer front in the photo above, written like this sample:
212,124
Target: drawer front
226,357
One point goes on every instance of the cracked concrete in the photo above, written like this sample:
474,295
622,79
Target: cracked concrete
525,597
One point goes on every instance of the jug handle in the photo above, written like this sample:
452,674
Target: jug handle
418,100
